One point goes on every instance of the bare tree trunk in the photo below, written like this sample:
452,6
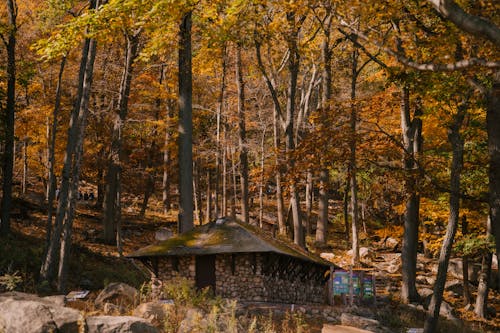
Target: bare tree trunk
198,202
240,83
185,127
412,141
457,143
280,206
347,190
224,177
10,108
25,166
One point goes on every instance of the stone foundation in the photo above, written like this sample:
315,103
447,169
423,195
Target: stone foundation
257,277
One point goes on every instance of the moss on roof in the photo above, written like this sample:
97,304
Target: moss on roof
225,236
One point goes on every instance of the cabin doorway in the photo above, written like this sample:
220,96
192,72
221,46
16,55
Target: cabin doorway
205,272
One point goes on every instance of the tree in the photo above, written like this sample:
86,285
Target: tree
185,126
10,108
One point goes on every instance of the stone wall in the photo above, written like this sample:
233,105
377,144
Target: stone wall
240,276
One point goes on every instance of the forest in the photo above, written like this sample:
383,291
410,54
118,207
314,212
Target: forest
331,124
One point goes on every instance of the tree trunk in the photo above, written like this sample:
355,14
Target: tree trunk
309,199
219,143
293,69
457,143
185,127
412,141
324,175
10,108
25,166
484,276
352,162
280,206
262,179
48,267
234,190
208,216
347,190
166,165
240,83
74,166
111,203
51,160
465,267
493,129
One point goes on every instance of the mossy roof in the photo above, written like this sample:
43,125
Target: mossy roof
225,236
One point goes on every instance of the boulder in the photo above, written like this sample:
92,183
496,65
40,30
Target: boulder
154,312
37,316
455,269
391,243
425,292
348,319
125,324
364,253
117,293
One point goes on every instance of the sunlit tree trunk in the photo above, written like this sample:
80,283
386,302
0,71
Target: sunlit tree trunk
280,206
10,107
185,127
465,266
166,198
352,161
309,201
208,214
457,144
240,83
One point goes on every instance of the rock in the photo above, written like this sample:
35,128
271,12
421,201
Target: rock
391,243
348,319
446,311
154,312
125,324
327,328
112,309
328,256
163,234
37,316
117,293
59,300
364,253
194,322
425,292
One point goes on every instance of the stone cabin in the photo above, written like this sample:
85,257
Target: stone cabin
239,261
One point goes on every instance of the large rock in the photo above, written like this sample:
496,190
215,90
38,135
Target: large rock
154,312
117,293
364,253
125,324
35,315
455,269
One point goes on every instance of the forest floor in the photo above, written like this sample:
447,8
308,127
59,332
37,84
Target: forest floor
94,264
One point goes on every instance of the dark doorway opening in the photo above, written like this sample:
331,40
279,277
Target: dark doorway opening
205,272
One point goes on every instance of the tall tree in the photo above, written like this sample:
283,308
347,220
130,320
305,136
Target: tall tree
240,83
10,108
185,126
411,129
112,205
